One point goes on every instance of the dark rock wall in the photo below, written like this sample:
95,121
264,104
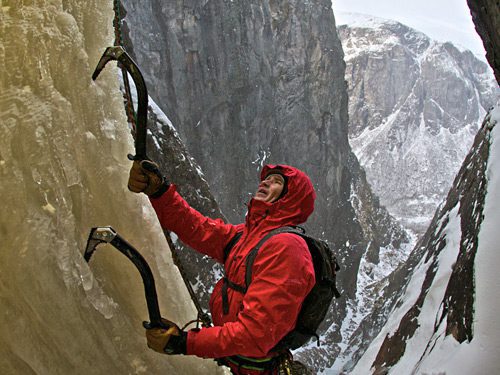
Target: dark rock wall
486,17
166,148
251,82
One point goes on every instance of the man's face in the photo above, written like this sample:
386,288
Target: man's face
270,188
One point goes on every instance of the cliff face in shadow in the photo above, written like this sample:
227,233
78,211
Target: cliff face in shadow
486,17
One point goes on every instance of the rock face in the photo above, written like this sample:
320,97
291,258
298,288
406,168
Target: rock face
486,17
414,108
432,295
253,82
247,83
166,147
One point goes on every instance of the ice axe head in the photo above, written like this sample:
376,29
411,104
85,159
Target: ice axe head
111,53
118,53
97,236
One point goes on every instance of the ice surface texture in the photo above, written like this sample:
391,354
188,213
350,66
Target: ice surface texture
63,169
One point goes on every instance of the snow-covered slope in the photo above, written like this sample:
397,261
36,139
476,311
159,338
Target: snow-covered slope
446,319
414,108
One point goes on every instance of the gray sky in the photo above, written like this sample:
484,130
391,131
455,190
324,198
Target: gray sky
442,20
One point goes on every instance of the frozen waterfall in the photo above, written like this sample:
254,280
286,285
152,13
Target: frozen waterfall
63,170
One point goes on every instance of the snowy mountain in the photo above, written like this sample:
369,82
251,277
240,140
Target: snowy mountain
414,108
444,319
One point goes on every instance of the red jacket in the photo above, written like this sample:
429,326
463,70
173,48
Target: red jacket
282,275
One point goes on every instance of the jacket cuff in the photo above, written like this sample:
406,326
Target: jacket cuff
165,195
163,188
191,335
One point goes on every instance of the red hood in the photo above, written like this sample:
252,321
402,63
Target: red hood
295,206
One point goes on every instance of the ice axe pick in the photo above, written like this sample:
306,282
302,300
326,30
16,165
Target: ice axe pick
119,54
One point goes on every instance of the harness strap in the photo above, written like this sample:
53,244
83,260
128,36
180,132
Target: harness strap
256,364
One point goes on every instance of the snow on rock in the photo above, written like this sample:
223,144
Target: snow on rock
480,355
414,107
446,318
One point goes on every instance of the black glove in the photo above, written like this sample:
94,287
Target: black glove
170,340
177,344
145,177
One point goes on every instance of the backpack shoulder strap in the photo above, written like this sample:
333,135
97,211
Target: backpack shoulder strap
253,253
233,241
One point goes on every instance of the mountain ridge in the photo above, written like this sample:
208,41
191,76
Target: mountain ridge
408,125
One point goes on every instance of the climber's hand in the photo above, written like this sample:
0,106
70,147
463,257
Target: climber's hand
145,177
170,340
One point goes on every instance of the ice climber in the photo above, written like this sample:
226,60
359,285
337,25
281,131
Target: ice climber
246,325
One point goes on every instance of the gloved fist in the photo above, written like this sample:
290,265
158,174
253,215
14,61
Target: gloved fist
145,177
171,340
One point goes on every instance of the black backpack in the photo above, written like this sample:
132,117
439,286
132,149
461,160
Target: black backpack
317,302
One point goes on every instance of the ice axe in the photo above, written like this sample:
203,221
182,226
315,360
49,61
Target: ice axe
119,54
99,235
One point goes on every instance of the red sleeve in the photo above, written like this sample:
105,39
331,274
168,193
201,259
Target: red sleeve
208,236
282,276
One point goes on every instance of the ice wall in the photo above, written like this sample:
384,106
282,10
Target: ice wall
63,169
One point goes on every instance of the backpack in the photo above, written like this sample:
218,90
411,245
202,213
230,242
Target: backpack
316,303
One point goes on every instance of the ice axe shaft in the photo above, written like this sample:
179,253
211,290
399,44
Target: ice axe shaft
118,53
99,235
